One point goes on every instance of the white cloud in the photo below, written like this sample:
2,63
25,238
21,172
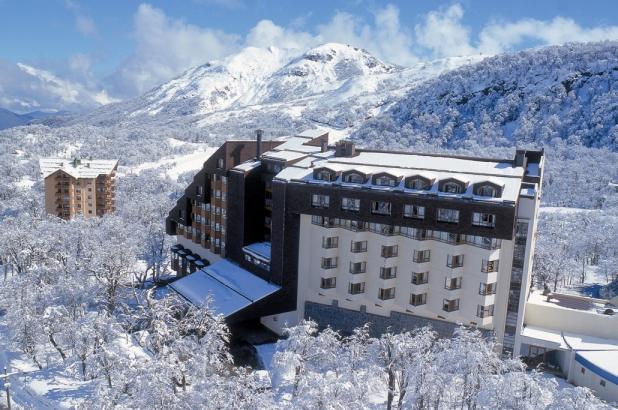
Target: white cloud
83,24
503,36
442,33
164,48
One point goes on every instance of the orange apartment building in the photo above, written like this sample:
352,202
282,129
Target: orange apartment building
78,186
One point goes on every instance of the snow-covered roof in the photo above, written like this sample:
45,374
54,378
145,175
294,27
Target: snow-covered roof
317,132
260,250
85,168
549,338
603,363
230,287
557,339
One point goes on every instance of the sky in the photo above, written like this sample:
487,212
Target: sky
74,55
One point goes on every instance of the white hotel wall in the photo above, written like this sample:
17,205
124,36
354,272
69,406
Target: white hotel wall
310,272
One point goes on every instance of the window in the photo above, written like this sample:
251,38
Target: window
358,246
485,311
487,190
487,289
421,256
329,263
330,242
450,305
582,370
384,180
354,178
324,175
217,193
320,201
220,163
420,278
389,251
453,188
358,267
483,219
454,261
380,207
489,266
452,283
200,190
602,383
328,283
356,288
388,272
417,183
386,294
350,204
414,211
448,215
418,299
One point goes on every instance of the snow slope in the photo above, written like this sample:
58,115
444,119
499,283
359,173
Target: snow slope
530,97
334,85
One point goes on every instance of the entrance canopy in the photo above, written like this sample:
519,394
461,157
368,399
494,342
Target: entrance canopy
230,287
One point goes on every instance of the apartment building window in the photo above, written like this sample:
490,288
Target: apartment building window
218,194
358,267
485,311
420,278
328,283
354,178
356,288
330,242
487,289
484,219
452,283
220,163
418,183
448,215
453,188
350,204
454,261
385,181
389,251
380,207
487,190
418,299
388,272
421,256
602,383
200,190
358,246
325,175
329,263
386,294
320,201
489,266
414,211
450,305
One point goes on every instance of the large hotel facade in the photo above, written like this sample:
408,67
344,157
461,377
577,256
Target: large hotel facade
79,186
348,236
278,231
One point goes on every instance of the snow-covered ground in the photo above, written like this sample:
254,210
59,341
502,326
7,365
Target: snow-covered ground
174,166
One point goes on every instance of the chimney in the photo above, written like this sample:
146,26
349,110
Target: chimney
345,148
258,137
323,145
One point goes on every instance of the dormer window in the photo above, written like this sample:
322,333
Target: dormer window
324,174
220,163
487,189
419,183
354,178
452,186
385,180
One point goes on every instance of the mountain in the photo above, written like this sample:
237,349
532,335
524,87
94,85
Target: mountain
531,97
333,85
9,119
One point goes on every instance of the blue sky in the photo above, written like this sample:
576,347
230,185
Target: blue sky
69,54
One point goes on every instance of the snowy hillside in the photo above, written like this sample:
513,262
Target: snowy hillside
531,97
333,85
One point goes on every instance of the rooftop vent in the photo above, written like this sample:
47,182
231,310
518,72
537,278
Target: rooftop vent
345,148
77,162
